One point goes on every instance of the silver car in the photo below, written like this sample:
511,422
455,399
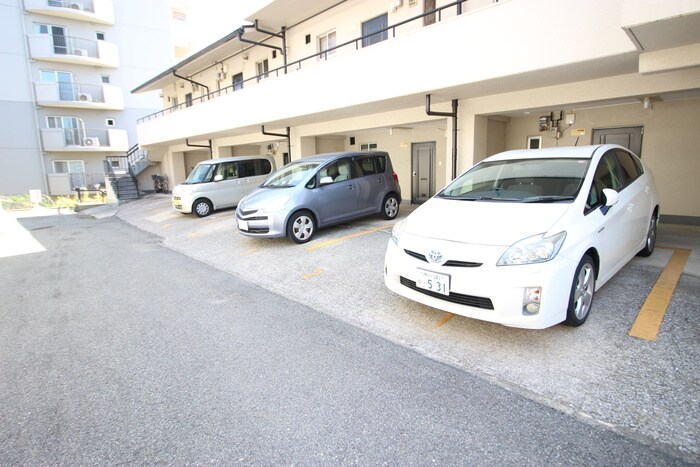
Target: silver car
319,191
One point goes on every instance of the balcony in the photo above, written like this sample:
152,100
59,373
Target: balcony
74,50
92,11
84,140
79,96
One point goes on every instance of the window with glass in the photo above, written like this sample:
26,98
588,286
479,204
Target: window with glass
262,68
58,34
338,171
325,42
64,80
374,30
71,128
237,81
368,147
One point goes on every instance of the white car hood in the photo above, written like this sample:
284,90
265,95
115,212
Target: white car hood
495,223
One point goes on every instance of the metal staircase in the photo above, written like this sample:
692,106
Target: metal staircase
121,172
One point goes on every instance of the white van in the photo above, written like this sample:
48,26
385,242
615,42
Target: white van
221,183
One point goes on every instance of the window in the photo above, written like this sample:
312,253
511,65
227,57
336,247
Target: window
630,167
71,128
76,169
104,79
110,122
58,33
365,166
253,168
368,147
374,30
339,171
325,42
262,69
64,80
175,102
237,81
228,170
606,176
188,99
100,36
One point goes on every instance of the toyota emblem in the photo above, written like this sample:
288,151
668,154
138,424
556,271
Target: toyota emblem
435,256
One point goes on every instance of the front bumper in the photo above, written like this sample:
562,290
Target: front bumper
486,292
258,223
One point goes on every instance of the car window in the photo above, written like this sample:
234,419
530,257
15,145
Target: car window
202,173
381,164
228,170
606,176
365,166
339,171
630,168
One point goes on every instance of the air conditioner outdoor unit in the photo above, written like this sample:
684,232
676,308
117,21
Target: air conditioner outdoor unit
76,5
81,52
92,141
85,97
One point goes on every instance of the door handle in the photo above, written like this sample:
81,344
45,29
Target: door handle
414,174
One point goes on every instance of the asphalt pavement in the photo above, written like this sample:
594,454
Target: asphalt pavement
264,352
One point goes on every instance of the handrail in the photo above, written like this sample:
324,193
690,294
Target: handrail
298,63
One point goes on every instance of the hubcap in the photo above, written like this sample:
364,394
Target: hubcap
303,227
391,207
583,295
202,209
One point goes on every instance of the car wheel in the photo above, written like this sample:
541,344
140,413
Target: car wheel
301,227
651,238
202,207
390,206
582,290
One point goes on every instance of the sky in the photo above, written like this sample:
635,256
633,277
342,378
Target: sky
213,19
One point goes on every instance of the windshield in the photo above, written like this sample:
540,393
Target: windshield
291,175
525,180
202,173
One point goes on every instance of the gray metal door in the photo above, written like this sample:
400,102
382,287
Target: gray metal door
629,137
423,179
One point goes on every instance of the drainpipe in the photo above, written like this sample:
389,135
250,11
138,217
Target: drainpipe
191,81
211,152
282,35
281,135
452,114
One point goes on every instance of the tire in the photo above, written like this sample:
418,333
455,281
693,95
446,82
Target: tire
202,207
301,227
582,291
390,206
651,237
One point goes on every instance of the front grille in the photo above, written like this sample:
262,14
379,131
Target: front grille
449,263
245,213
461,299
258,230
258,218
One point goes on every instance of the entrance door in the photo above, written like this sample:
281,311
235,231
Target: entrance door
423,180
630,137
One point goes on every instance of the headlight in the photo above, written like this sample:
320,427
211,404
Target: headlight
397,231
537,249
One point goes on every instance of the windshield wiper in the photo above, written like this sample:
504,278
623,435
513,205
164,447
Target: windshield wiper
547,199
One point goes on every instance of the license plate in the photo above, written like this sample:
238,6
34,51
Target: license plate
433,281
177,205
242,225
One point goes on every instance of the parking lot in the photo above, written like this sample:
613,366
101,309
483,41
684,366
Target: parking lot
646,389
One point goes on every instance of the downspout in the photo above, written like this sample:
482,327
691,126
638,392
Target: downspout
281,135
452,114
282,35
191,81
211,152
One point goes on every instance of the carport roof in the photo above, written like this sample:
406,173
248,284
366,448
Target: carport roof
272,17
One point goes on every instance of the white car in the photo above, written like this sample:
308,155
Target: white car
525,237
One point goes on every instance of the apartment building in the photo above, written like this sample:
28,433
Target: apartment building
68,68
442,85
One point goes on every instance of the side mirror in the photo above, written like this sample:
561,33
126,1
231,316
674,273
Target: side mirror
218,177
611,199
326,180
611,196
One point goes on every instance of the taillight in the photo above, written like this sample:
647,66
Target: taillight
396,177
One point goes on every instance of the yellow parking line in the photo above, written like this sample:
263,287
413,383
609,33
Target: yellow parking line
649,319
446,318
316,272
248,252
342,239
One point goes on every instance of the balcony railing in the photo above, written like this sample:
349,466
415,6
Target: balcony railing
77,50
72,183
436,15
93,11
83,140
79,95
